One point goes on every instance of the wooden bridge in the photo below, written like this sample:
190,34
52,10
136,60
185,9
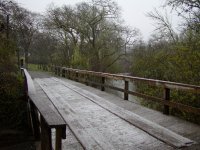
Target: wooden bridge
67,114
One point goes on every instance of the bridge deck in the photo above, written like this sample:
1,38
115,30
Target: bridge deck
95,124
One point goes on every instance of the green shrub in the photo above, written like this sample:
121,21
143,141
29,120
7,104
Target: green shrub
12,102
182,97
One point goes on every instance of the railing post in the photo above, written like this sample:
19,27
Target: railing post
102,82
125,90
35,121
46,141
63,72
58,143
86,79
55,69
166,98
21,63
76,78
69,74
59,71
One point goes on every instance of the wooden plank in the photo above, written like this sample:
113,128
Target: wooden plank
46,108
90,139
99,124
153,129
159,100
152,98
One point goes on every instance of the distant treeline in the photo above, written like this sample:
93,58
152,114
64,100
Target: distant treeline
91,35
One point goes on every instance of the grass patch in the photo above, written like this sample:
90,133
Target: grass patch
33,67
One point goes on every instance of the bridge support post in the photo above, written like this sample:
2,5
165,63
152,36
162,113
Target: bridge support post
46,143
125,90
76,78
58,145
21,65
59,71
86,79
69,74
34,121
63,72
102,82
56,70
166,98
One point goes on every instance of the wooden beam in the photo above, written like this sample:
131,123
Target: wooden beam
154,82
166,98
102,82
126,87
58,144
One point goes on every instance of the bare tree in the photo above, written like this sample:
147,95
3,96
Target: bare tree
163,26
189,10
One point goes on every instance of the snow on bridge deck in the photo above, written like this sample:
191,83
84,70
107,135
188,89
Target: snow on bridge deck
95,123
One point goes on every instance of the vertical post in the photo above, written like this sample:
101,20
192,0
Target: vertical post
69,74
18,59
55,70
46,142
21,63
63,72
58,139
102,82
66,73
7,28
76,78
166,98
35,121
86,79
125,90
58,71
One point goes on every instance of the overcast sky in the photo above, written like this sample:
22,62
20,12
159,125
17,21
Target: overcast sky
133,11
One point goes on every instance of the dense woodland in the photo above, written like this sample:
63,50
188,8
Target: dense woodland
92,35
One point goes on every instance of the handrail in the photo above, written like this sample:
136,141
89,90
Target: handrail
29,82
166,85
40,122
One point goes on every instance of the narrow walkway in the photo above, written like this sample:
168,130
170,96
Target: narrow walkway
92,126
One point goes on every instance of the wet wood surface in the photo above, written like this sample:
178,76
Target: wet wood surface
99,124
46,108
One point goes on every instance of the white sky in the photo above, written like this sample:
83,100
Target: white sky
133,11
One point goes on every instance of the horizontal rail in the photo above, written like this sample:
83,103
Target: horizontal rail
30,88
152,98
42,123
76,74
166,84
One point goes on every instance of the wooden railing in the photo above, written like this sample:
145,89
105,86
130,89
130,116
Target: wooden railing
83,76
43,116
